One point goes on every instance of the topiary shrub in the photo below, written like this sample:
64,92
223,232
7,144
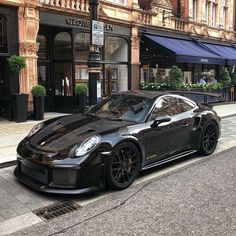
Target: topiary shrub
233,78
38,90
225,78
16,63
176,75
81,88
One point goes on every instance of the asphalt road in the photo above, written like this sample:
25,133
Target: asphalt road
198,200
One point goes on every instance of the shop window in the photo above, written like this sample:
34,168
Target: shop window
115,78
82,41
42,52
63,79
116,49
81,73
3,34
62,46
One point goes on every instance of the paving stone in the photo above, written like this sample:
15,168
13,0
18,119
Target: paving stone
24,198
19,207
8,213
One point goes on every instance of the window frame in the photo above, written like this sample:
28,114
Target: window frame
4,35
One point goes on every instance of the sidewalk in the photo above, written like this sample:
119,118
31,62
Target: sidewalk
12,133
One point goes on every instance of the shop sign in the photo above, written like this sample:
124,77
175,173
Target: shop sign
78,22
204,60
86,24
97,33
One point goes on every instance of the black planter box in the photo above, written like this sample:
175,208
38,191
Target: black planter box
19,104
80,102
38,102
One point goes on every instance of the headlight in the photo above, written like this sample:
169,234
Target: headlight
35,129
87,146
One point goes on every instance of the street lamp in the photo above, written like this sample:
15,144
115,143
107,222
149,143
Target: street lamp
94,59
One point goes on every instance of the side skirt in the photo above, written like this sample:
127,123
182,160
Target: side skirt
175,157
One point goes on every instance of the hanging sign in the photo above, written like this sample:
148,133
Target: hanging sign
97,33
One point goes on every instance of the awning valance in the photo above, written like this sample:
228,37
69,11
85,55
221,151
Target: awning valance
187,51
226,52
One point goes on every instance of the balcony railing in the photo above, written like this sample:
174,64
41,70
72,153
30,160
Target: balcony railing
79,5
179,24
145,18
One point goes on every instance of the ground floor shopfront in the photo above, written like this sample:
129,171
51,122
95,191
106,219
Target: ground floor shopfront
196,57
63,54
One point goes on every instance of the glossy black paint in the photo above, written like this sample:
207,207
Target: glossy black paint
47,162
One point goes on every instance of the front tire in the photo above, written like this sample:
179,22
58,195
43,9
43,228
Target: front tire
123,166
209,138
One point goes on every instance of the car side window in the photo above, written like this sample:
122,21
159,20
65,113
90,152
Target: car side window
164,106
159,109
185,105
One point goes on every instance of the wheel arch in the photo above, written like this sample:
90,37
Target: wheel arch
136,143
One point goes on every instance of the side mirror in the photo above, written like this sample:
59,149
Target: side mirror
159,120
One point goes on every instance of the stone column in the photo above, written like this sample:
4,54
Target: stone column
135,60
28,18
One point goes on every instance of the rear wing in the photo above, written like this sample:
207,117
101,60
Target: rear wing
205,99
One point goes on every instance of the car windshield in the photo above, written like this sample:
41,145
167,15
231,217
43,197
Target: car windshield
123,107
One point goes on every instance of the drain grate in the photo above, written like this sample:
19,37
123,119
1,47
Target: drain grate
56,209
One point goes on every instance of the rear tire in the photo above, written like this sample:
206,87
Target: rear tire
209,139
123,166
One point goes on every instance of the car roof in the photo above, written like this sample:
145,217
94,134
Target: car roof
145,93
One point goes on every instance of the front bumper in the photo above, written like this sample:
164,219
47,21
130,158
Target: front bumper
64,179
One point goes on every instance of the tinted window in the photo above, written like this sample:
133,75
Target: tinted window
165,106
123,107
171,105
185,105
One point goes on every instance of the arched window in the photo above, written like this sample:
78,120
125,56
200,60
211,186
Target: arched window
62,46
3,34
116,49
82,41
42,52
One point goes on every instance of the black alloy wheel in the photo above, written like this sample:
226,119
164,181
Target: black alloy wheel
209,138
123,166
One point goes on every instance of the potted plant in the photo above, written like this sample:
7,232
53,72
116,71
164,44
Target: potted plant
225,79
176,77
81,94
38,92
19,102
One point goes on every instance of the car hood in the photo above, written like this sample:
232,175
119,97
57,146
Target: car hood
70,130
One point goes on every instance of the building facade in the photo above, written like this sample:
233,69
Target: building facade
53,36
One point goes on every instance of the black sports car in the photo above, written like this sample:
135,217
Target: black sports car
109,145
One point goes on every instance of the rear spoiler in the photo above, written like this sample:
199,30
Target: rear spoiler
202,98
204,105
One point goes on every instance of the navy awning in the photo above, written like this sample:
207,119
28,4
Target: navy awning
226,52
187,51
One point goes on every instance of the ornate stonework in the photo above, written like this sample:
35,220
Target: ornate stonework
156,5
28,49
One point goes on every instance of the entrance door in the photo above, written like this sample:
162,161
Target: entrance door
44,79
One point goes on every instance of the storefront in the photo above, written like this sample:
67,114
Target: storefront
195,57
63,54
8,46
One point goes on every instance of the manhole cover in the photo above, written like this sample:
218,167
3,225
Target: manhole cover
56,209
